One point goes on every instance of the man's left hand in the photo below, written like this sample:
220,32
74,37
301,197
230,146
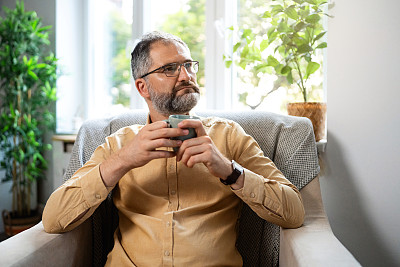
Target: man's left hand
202,150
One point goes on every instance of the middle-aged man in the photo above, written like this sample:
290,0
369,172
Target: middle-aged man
178,208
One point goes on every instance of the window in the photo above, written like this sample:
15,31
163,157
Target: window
109,76
95,39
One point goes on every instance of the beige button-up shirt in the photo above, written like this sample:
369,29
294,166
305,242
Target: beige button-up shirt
173,215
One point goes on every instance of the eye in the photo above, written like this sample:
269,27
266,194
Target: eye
171,68
189,66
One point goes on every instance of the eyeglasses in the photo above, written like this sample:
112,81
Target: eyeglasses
174,69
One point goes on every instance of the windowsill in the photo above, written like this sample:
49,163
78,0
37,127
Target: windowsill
67,138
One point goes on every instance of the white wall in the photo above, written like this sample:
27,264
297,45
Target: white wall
362,181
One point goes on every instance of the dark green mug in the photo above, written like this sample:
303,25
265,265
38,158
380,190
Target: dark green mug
173,122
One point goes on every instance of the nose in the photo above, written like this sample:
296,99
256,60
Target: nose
184,74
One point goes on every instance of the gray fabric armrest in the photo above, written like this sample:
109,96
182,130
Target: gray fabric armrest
35,247
313,244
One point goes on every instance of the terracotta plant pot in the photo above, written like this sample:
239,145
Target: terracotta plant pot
316,112
13,225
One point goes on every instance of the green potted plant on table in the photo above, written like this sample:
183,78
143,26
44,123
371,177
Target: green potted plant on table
27,90
289,48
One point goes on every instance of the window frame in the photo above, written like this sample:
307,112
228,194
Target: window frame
78,93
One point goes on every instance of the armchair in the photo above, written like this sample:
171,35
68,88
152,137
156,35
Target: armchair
288,141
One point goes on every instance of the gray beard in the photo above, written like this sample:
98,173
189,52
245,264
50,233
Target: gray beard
169,103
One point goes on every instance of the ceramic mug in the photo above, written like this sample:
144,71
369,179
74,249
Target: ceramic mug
173,122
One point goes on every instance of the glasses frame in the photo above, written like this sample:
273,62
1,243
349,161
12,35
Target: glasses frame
179,68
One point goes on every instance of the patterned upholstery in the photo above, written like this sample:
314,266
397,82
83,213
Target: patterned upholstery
288,141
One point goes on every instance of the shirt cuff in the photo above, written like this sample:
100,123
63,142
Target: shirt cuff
253,188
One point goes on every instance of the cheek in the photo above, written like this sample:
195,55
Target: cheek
194,79
163,85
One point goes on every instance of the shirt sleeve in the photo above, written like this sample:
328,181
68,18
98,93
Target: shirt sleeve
266,191
76,200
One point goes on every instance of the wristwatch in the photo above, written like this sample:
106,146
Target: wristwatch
232,178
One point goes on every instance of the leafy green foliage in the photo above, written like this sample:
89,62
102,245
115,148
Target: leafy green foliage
27,91
290,43
189,25
120,65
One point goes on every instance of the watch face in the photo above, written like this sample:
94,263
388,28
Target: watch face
236,167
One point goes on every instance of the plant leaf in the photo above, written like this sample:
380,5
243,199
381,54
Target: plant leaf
236,46
283,27
228,63
243,64
291,13
299,26
285,70
266,14
314,18
276,9
319,36
304,49
311,68
264,44
33,75
271,61
322,45
312,2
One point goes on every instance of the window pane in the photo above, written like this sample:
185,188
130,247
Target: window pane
109,65
186,19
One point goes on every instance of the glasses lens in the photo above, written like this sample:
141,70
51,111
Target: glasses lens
171,69
191,67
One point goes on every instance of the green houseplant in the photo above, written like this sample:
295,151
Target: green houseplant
27,90
288,48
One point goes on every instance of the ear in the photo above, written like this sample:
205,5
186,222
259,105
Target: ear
141,86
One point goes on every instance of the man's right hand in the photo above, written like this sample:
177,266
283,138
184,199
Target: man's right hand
140,150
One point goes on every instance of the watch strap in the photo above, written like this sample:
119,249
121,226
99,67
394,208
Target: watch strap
232,178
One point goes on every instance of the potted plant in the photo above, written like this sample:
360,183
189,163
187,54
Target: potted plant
27,92
289,49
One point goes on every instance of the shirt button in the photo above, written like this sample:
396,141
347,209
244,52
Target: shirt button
168,224
173,192
252,195
97,196
166,253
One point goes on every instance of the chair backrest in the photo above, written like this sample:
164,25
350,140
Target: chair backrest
286,140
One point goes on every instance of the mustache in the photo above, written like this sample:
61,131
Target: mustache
187,84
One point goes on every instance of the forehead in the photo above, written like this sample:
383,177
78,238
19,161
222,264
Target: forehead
164,53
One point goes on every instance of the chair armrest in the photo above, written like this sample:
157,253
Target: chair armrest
35,247
313,244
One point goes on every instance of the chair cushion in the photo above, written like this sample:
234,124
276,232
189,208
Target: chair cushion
288,141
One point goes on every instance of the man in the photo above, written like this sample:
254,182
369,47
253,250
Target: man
174,208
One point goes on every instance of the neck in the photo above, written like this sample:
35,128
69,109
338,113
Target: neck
157,116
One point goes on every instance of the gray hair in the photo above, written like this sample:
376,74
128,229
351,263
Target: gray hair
140,56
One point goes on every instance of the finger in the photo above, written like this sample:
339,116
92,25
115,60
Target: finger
161,142
166,133
184,154
157,154
156,125
194,159
196,124
202,140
